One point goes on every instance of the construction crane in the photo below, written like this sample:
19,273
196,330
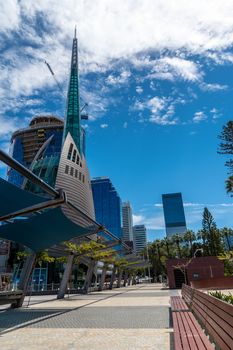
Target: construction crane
83,110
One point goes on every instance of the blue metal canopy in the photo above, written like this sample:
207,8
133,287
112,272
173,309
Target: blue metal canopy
40,231
12,198
43,231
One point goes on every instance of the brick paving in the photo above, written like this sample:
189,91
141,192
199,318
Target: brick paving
135,317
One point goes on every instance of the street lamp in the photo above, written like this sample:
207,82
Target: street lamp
197,250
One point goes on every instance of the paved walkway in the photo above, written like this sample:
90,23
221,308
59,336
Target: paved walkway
135,317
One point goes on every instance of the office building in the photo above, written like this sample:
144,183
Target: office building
174,216
25,143
139,238
42,139
127,218
107,205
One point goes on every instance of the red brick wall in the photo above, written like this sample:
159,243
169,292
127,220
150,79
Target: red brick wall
202,267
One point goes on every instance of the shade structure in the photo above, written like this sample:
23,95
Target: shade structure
12,198
40,231
44,230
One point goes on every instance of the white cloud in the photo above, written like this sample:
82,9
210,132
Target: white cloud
161,110
213,87
104,126
185,69
138,219
9,14
111,35
139,89
215,113
118,80
199,117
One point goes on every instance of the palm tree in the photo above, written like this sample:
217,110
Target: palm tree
166,242
190,237
177,239
227,233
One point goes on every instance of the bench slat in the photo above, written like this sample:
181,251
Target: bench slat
177,304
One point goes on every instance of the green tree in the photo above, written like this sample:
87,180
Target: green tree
226,147
177,239
190,237
211,234
226,234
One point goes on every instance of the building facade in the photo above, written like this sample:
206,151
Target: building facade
26,143
107,204
127,218
174,216
139,238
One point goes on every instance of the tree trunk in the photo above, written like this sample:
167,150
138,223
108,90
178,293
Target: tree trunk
102,279
130,280
25,276
119,279
125,278
89,276
113,277
65,277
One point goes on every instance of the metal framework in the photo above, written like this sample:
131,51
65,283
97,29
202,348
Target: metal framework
58,198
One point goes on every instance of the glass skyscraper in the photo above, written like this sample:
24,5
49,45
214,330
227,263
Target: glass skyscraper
127,222
174,216
25,143
107,205
139,238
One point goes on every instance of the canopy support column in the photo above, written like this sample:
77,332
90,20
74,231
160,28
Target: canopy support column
102,280
65,277
89,275
25,276
113,277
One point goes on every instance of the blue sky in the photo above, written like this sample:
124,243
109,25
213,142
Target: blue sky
157,76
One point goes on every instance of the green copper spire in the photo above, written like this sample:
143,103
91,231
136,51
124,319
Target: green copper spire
72,118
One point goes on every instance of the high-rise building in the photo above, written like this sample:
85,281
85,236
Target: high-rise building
139,238
127,219
25,143
44,134
107,205
174,216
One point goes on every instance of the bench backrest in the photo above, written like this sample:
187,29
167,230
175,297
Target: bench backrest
215,315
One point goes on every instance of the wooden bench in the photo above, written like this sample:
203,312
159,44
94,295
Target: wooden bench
178,304
215,315
187,332
188,335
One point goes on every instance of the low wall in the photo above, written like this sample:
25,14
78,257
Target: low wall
213,283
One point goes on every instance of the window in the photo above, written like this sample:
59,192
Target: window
67,169
76,173
70,151
77,160
80,176
74,155
83,178
42,173
71,171
81,164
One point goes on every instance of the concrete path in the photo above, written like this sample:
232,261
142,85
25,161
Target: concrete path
135,317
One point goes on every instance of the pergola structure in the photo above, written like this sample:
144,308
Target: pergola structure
38,222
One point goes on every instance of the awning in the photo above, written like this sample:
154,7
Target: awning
40,231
